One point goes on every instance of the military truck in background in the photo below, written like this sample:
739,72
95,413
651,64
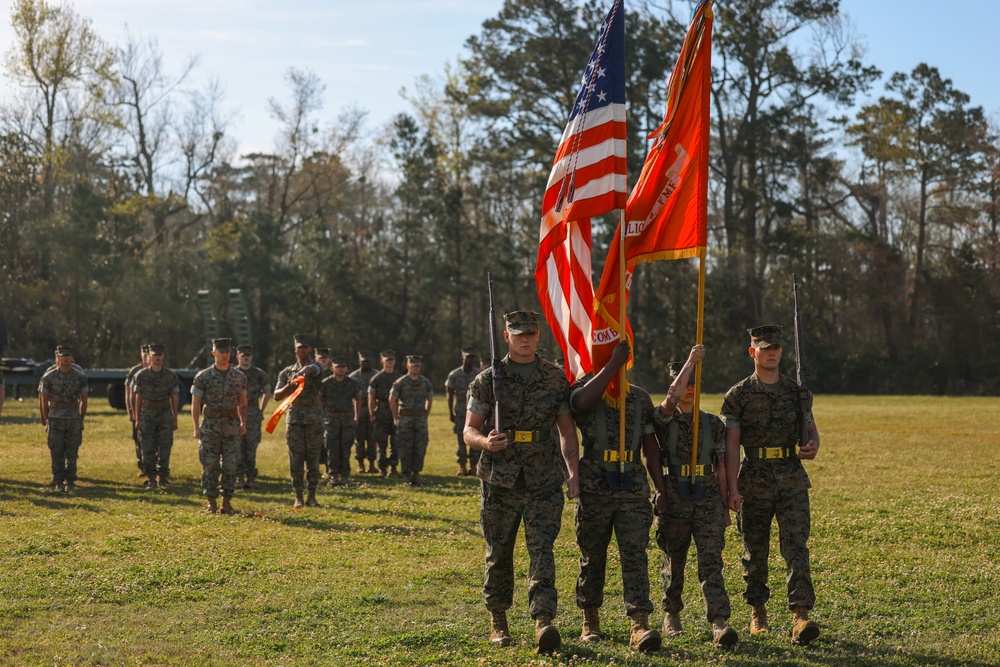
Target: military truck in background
20,372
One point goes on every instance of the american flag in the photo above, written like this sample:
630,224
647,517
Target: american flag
587,179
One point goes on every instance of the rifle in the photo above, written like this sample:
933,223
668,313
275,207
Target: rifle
800,366
495,361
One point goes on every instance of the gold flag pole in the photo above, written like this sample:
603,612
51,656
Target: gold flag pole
697,369
621,337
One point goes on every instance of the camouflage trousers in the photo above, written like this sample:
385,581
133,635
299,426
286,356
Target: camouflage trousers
64,439
502,511
384,432
304,444
249,443
597,517
704,522
411,443
219,454
157,429
762,503
137,439
364,435
338,434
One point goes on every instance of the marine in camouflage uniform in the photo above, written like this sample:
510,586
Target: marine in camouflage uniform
614,503
130,404
323,359
62,402
699,514
521,472
3,393
304,425
761,414
219,393
156,403
456,387
378,410
364,432
410,401
258,395
342,397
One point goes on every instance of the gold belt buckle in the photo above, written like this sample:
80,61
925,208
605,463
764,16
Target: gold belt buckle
699,471
524,436
611,455
773,453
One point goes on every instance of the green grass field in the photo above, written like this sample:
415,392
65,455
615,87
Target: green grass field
906,524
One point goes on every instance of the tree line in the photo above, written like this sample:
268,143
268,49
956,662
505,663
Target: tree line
123,193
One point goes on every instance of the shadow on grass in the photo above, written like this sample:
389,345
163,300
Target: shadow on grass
92,494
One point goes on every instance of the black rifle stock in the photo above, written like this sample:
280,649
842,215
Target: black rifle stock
800,367
495,360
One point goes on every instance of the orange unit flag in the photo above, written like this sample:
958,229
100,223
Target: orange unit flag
667,210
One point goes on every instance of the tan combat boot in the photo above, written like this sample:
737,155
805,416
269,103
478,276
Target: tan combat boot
70,486
298,500
251,483
415,479
227,508
162,482
803,630
641,638
311,500
149,481
213,507
547,638
238,482
462,470
392,471
591,626
361,468
723,636
499,631
758,620
672,624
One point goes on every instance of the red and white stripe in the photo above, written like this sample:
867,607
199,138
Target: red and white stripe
591,155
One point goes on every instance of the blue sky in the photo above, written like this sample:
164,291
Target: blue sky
365,51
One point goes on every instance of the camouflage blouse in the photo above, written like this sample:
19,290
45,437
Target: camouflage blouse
63,388
531,404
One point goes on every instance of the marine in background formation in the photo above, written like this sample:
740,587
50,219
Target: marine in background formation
219,394
322,357
761,415
62,403
130,404
410,400
342,398
364,433
380,414
258,396
456,388
304,423
157,395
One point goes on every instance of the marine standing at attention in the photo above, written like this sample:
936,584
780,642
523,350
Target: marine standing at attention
258,395
304,426
456,387
761,414
410,401
157,397
62,402
522,471
341,406
220,394
378,410
364,434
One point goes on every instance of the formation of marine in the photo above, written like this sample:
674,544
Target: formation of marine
516,424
